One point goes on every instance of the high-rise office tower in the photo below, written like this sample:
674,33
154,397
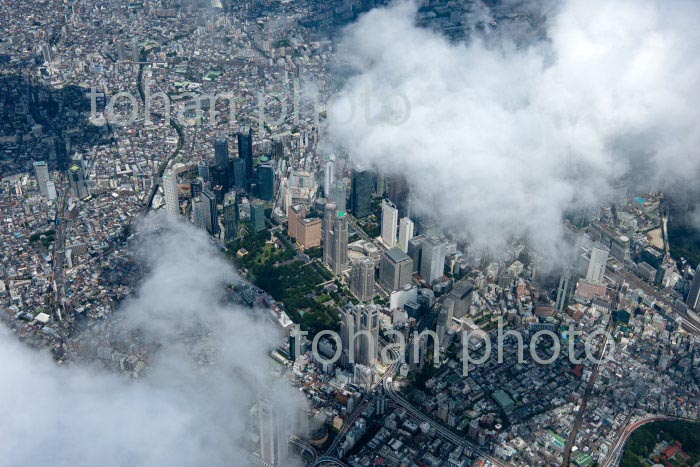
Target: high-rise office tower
41,171
211,218
362,278
395,269
390,219
245,151
240,178
198,212
170,193
597,263
693,300
266,181
359,334
328,218
441,325
567,283
222,163
433,259
273,425
340,243
230,217
397,191
337,195
76,178
51,192
405,232
328,178
361,194
203,169
257,215
415,251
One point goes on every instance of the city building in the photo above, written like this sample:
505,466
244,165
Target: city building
266,181
328,178
198,212
337,195
359,334
211,218
230,217
273,427
306,232
240,178
395,269
78,186
390,218
433,259
415,251
170,194
257,215
41,171
328,217
222,162
245,151
597,263
405,232
339,253
693,299
361,193
362,278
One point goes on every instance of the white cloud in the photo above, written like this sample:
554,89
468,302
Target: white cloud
502,140
181,413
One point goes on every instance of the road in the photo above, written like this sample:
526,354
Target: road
586,395
615,455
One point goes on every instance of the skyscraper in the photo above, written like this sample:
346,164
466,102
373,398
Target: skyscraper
222,163
390,218
170,193
273,428
198,212
328,217
340,243
397,191
415,251
257,215
266,181
328,178
245,151
597,263
395,269
693,299
211,218
78,187
405,232
433,260
359,334
41,170
337,195
361,195
362,278
240,178
230,217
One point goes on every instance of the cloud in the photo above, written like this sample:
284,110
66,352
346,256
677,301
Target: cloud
192,405
501,140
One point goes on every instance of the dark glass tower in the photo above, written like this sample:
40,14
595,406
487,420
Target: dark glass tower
245,151
361,196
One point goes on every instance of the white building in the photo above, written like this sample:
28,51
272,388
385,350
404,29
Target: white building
390,220
405,232
172,204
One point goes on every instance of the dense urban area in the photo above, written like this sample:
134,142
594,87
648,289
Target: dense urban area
212,114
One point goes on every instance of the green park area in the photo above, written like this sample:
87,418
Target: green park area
670,443
275,267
